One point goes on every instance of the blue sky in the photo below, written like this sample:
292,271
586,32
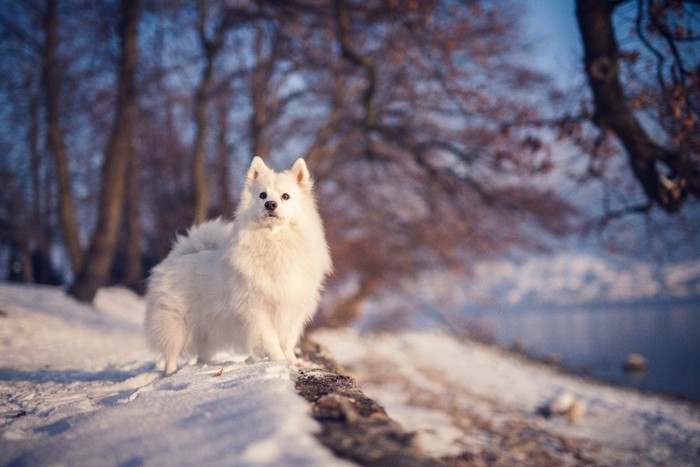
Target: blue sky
556,41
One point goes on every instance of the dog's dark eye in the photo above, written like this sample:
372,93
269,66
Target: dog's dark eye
263,195
285,196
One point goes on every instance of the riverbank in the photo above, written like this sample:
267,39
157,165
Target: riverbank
474,402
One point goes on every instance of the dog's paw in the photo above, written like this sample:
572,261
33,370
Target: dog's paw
252,360
305,365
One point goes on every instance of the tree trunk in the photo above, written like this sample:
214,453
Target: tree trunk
260,117
612,112
200,182
134,258
199,176
38,231
222,161
55,140
98,262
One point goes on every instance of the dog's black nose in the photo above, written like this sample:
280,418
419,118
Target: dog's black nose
270,205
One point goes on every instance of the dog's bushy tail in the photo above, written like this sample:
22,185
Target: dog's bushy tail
208,235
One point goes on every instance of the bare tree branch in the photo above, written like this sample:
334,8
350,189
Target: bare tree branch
668,189
344,25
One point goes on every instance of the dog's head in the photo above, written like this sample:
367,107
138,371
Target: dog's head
275,198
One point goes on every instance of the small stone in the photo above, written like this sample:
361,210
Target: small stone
564,405
576,412
635,363
335,407
554,359
561,404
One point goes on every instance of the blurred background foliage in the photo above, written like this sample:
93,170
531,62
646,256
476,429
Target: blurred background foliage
434,143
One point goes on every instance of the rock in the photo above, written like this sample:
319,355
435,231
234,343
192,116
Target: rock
335,407
635,363
353,425
553,359
561,404
577,411
564,405
518,347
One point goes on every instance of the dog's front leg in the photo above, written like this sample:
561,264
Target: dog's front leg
265,343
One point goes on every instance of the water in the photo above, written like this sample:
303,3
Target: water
595,340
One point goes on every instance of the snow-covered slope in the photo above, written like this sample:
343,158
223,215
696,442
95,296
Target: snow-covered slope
79,387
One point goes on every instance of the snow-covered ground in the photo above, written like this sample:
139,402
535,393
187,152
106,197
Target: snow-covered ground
79,387
465,396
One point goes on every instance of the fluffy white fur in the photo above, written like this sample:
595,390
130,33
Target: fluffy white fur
250,285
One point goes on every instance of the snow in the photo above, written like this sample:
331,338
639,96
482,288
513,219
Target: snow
587,277
79,387
437,381
562,278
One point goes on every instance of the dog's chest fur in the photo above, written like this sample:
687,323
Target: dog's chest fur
273,258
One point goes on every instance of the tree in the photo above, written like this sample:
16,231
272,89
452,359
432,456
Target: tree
431,161
13,228
98,261
55,135
133,274
666,171
223,164
210,48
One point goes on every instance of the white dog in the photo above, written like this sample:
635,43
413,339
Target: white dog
249,286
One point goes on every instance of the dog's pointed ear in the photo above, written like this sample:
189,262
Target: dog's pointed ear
257,168
301,173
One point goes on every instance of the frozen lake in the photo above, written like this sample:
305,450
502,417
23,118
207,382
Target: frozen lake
595,340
